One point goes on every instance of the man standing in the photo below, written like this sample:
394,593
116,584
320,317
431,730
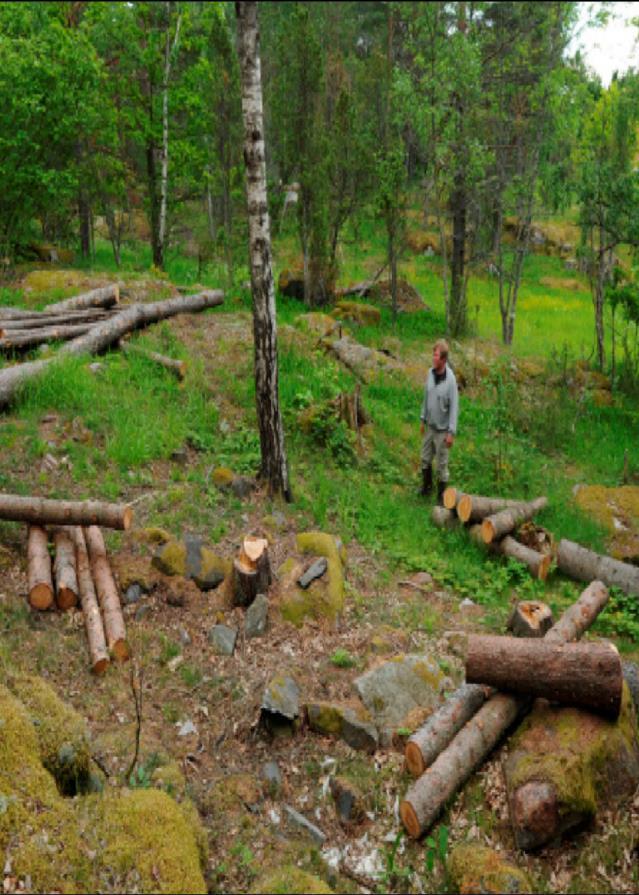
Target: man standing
438,420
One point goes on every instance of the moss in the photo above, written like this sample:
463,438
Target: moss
316,323
368,315
324,599
212,562
43,281
134,570
153,535
63,737
325,718
429,674
144,834
231,795
222,477
290,879
171,559
474,868
286,569
169,777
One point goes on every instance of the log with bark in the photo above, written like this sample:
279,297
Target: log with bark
584,565
64,568
538,564
176,367
475,507
251,571
451,498
586,675
444,518
108,596
43,511
28,338
470,746
103,297
494,527
41,319
92,619
106,333
39,580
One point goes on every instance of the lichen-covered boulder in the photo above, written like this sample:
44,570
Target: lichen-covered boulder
359,312
210,569
131,570
63,736
351,725
564,764
190,558
324,599
171,558
222,477
288,880
393,690
617,509
476,869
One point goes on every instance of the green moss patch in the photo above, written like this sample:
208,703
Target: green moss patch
290,879
473,868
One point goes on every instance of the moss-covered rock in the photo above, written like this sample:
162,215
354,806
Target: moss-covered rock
134,570
232,795
213,569
324,599
170,778
564,764
222,477
289,880
171,558
359,312
474,868
617,509
153,535
352,724
316,323
63,736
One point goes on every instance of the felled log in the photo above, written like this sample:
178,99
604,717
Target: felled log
584,565
92,619
502,523
107,333
64,568
103,297
107,594
39,581
42,511
42,320
475,507
468,749
363,288
443,518
251,571
530,618
586,675
538,564
27,338
177,367
451,497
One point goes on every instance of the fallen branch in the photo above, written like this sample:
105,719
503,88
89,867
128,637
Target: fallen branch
584,565
42,511
468,749
177,367
107,333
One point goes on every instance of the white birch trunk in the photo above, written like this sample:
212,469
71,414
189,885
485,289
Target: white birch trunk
169,50
274,468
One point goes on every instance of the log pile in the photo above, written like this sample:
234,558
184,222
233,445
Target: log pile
80,570
492,522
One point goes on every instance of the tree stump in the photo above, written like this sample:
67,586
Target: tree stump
251,571
530,618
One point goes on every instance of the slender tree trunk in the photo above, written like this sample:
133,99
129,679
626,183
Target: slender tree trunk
458,258
274,467
154,205
392,261
84,214
169,50
599,301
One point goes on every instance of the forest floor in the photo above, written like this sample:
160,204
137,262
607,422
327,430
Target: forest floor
130,433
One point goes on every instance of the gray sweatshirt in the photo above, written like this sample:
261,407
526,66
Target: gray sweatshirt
441,402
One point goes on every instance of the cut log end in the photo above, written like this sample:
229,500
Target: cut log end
100,666
464,508
127,518
66,598
41,596
414,759
410,820
544,567
487,531
120,650
450,498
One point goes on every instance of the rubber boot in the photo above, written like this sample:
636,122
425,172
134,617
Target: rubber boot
441,487
427,481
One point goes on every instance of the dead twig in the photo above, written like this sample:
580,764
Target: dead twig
136,690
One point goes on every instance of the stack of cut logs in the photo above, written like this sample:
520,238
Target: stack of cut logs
491,521
81,569
460,735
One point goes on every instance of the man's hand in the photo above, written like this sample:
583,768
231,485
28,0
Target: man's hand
449,440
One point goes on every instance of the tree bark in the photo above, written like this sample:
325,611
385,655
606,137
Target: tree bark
251,571
106,333
107,594
584,565
92,619
104,297
40,583
64,567
586,675
443,518
475,507
43,321
169,50
41,511
496,526
468,749
274,467
538,564
27,338
177,367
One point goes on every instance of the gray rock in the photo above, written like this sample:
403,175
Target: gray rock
142,611
336,720
315,570
272,776
222,639
256,617
242,486
631,675
187,728
400,685
185,637
297,820
133,594
282,697
193,565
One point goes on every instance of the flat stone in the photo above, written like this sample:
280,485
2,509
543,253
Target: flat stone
342,721
315,570
222,639
256,617
133,594
302,823
399,686
281,697
272,776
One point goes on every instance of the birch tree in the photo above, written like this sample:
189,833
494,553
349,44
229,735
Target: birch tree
274,468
